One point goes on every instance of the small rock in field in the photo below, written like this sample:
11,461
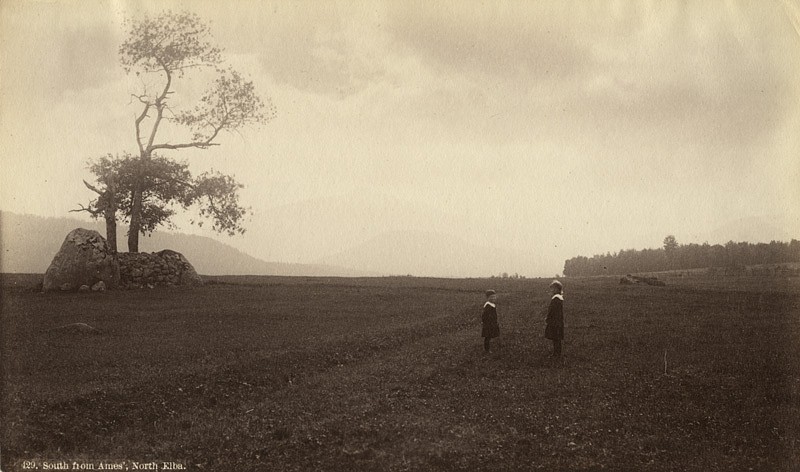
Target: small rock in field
79,328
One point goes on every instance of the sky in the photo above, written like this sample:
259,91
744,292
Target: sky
551,128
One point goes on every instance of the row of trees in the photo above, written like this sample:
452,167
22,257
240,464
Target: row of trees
674,256
506,275
146,188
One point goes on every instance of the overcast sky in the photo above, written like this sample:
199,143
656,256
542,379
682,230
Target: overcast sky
561,128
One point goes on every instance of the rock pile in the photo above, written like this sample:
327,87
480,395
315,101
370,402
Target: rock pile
86,263
84,260
165,268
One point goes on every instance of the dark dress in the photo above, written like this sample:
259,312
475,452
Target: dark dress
555,319
489,318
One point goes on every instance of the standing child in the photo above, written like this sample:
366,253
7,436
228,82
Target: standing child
555,318
489,319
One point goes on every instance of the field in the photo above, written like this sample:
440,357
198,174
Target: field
268,373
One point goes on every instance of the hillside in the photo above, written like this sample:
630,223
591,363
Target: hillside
319,228
28,244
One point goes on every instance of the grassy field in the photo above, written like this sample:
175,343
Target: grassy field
269,373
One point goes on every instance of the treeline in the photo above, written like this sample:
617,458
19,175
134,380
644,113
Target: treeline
674,256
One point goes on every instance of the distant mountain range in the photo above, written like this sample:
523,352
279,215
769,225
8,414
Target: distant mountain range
388,236
29,243
384,239
319,228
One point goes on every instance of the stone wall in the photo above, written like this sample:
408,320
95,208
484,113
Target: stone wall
165,268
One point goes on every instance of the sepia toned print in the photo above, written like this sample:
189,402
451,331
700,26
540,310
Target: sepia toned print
284,235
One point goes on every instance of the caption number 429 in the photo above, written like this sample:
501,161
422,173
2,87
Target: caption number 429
28,465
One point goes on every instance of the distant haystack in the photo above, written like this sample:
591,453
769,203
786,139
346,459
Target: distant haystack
627,280
635,279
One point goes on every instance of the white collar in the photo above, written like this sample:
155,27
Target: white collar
559,296
490,304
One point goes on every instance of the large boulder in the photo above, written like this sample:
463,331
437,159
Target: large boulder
84,259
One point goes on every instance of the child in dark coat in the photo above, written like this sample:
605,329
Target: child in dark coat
555,318
491,329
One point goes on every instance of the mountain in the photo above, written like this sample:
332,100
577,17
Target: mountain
384,235
310,230
29,243
430,253
348,237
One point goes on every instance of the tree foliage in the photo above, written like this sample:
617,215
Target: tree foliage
684,256
167,187
219,201
107,170
168,42
230,103
670,244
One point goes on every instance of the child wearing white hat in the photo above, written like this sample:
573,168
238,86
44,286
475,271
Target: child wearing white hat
555,318
491,329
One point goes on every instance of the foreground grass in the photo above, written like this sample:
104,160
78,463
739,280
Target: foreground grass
389,374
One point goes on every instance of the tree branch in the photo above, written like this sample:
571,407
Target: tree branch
138,125
198,145
159,104
92,188
89,210
141,98
217,129
178,181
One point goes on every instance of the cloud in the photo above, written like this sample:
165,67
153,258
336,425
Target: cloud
322,47
498,42
637,62
53,47
701,64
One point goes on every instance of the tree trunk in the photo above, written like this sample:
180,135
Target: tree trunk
111,230
136,204
110,214
136,218
136,222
